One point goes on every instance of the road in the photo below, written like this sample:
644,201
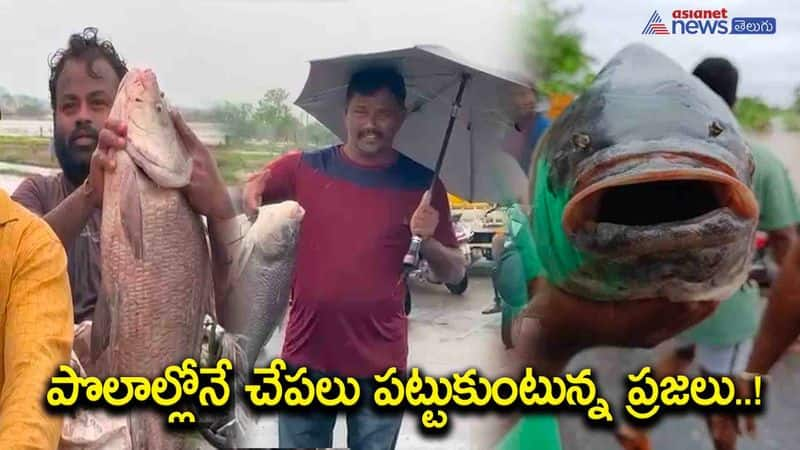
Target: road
447,333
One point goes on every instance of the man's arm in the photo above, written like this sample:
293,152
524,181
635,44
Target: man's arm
781,322
781,241
439,247
38,337
275,182
447,263
70,216
67,219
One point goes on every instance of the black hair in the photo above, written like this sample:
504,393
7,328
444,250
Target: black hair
86,46
370,80
721,76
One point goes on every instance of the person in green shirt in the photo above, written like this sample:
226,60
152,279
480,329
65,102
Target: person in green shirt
721,344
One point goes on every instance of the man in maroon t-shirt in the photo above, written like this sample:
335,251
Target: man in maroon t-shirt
363,201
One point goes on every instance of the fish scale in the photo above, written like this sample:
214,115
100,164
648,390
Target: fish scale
156,300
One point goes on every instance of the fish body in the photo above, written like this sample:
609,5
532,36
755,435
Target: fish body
157,281
262,275
641,188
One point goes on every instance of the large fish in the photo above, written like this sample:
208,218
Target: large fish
260,287
156,271
641,188
261,275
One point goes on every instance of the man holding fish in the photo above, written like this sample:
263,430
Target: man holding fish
83,85
363,202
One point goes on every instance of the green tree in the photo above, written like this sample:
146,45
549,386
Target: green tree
796,105
275,116
237,120
318,135
272,106
31,107
553,48
753,113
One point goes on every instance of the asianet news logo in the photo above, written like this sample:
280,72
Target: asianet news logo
708,21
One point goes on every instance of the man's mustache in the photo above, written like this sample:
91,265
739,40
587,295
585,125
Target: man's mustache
89,131
377,133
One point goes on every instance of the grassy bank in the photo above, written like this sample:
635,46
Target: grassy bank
236,161
791,120
15,172
26,150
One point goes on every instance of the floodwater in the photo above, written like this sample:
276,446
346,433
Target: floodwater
209,133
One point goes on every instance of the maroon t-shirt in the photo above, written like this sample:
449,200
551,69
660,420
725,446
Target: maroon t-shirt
347,316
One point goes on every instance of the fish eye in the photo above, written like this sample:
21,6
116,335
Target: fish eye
138,100
581,141
158,107
715,128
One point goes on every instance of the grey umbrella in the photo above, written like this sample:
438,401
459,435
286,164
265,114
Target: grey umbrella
458,116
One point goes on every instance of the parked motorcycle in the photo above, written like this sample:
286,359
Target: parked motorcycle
424,274
490,223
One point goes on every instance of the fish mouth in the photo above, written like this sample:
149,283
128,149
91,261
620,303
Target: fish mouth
677,203
297,213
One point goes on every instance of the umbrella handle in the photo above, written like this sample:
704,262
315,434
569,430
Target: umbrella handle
411,260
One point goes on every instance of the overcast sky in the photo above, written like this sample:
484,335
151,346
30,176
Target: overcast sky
208,50
769,65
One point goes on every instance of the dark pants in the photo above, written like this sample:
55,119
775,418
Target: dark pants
367,428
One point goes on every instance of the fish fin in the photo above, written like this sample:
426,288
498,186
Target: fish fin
131,214
101,328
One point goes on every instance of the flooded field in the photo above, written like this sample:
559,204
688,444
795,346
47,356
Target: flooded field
209,133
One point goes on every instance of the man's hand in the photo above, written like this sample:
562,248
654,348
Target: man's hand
555,325
206,191
111,139
425,218
739,424
253,190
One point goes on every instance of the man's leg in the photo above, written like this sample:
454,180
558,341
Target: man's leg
675,362
304,429
722,361
498,242
369,428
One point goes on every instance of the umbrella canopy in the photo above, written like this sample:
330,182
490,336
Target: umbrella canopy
474,167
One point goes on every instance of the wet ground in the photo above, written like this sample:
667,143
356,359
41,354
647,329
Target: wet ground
447,333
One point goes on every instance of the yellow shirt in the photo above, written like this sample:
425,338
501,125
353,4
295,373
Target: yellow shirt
36,329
